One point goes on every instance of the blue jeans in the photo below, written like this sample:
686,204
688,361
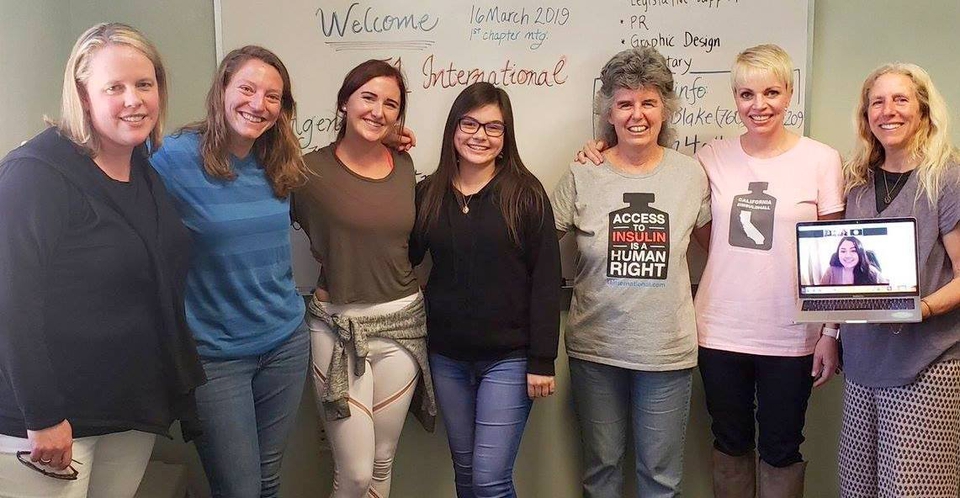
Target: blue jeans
607,399
484,405
247,409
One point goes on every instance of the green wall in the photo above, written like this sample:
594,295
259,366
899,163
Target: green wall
36,37
33,51
850,38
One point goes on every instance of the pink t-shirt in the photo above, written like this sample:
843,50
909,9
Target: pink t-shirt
747,296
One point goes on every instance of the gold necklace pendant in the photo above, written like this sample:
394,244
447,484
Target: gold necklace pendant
462,200
887,198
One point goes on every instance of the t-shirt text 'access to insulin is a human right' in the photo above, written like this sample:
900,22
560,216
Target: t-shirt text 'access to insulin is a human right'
631,303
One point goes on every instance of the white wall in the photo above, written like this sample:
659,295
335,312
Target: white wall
852,37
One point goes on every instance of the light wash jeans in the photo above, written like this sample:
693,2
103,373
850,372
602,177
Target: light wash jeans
657,404
247,409
484,405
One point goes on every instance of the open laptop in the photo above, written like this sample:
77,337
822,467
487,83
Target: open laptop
858,271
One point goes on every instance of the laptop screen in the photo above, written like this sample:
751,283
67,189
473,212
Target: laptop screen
856,257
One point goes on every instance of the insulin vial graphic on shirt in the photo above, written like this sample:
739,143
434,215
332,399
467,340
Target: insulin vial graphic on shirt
639,243
751,218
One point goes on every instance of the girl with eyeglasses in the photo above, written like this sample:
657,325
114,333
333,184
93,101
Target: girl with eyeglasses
494,290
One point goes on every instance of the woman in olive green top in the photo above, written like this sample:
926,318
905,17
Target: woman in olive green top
367,320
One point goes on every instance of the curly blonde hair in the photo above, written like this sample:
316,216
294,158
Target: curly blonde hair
931,145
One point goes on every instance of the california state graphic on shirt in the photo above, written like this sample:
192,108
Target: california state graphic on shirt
752,218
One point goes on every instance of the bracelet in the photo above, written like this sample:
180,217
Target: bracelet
830,332
929,308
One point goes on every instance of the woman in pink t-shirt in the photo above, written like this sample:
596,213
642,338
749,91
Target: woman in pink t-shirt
761,184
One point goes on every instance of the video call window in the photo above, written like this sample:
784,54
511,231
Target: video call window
873,258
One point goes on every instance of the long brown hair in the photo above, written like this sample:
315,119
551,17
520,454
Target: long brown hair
519,193
278,149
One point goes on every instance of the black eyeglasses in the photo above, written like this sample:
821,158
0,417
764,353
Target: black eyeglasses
67,474
492,129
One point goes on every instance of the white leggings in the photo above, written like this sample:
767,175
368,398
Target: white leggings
364,443
111,466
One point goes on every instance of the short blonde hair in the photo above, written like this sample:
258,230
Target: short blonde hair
931,145
762,59
74,121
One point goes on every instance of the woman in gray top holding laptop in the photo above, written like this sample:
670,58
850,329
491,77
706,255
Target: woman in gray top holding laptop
901,416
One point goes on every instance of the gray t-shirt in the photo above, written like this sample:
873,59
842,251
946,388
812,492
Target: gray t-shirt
887,355
631,304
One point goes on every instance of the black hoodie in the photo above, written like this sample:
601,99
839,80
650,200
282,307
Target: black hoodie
92,327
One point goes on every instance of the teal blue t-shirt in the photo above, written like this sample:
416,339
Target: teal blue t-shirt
241,299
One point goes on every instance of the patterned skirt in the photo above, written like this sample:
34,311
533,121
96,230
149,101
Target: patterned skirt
903,441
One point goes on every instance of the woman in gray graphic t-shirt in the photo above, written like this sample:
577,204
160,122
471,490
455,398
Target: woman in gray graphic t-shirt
631,334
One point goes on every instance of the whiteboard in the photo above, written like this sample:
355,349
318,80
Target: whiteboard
546,55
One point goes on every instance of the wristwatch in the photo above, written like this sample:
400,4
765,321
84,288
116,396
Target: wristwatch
830,332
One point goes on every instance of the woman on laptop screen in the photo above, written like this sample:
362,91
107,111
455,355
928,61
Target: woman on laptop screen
850,265
902,392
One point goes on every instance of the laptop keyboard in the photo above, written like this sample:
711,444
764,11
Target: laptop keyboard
858,304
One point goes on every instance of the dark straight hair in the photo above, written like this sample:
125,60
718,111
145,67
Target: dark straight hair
863,274
519,192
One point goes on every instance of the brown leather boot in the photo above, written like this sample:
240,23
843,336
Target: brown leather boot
782,482
734,477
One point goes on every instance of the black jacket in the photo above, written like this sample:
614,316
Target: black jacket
93,328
